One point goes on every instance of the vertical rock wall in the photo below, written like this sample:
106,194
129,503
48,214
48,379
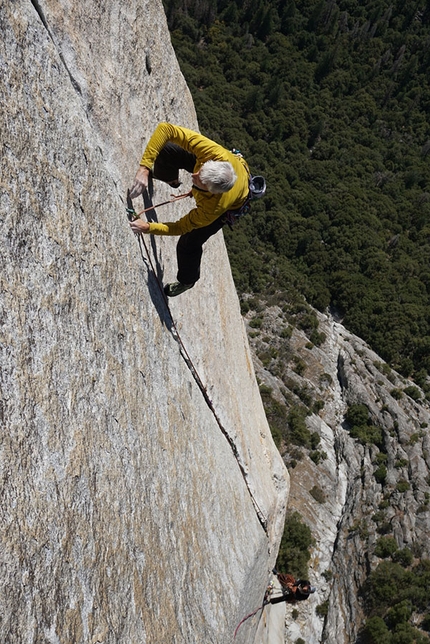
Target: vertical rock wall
127,515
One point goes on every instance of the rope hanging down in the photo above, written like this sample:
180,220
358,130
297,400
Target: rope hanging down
266,601
131,214
254,612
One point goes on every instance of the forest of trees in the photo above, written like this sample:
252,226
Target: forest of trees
330,101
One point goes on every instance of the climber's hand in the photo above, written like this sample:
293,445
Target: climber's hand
140,182
138,226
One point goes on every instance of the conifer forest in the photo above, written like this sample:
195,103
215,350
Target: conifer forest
330,101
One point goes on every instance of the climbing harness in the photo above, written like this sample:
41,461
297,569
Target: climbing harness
257,189
131,214
266,600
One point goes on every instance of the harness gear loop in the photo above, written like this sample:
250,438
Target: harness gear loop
257,189
269,591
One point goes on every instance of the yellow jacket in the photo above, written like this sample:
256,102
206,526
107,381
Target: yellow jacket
208,206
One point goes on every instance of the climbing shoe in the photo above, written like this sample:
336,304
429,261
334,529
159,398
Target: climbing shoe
176,288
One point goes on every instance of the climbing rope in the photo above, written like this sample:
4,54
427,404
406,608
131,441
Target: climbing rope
266,601
131,214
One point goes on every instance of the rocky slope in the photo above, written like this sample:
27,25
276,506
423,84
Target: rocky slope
137,504
342,491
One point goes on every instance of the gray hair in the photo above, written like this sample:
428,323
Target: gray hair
218,176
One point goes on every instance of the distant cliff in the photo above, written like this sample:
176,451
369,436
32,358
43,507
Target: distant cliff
142,498
350,491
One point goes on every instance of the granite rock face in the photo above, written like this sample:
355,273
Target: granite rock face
135,506
344,497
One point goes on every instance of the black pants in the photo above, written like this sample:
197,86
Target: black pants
171,159
189,249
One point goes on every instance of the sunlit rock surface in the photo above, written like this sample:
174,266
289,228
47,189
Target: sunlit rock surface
135,507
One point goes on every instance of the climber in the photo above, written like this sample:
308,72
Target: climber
220,184
292,590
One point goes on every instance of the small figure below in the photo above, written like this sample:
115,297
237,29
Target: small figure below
293,590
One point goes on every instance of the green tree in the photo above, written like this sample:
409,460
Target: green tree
400,613
385,547
376,631
342,134
294,551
